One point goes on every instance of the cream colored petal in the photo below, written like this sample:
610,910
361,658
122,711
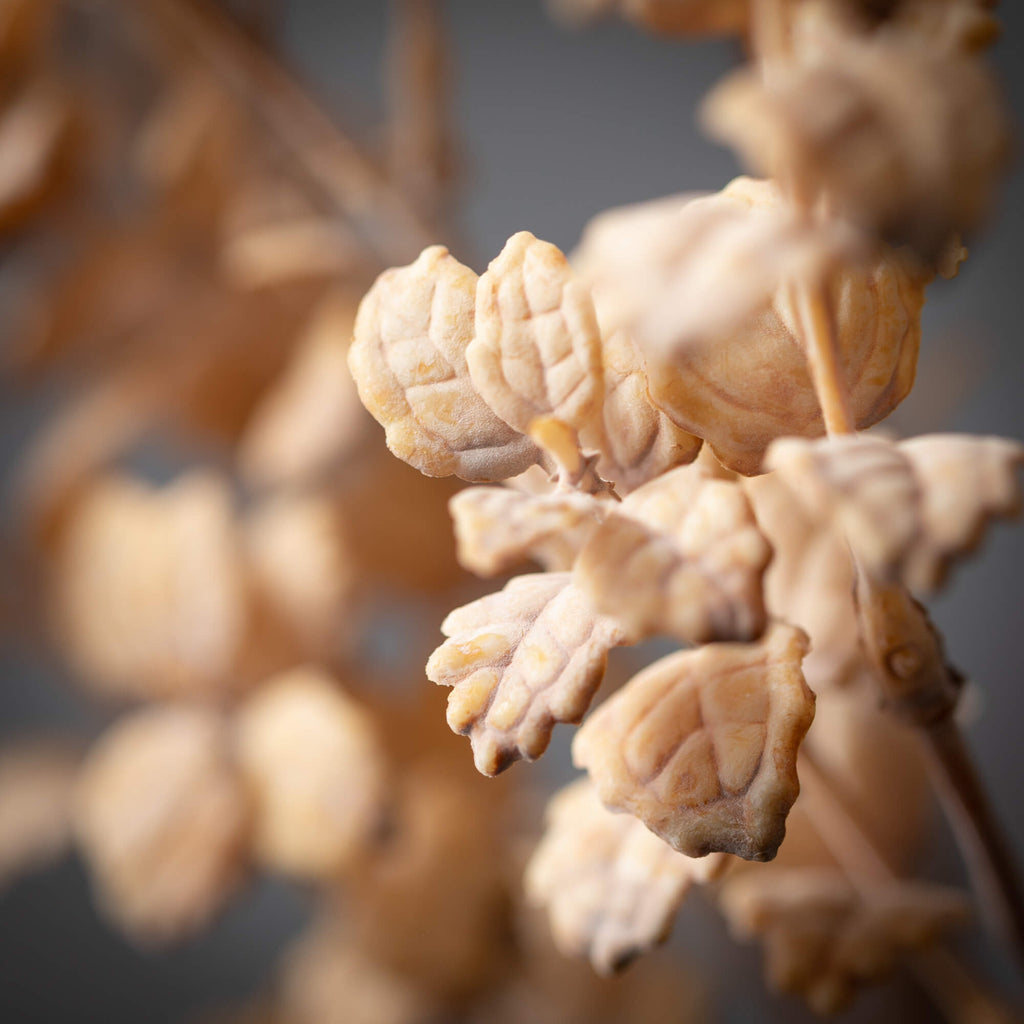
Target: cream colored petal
150,592
537,350
315,771
702,745
408,362
497,528
682,555
908,509
161,818
520,661
610,885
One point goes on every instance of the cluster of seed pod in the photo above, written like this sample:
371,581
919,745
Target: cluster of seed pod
654,411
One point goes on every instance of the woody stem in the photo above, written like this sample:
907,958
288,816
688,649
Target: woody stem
814,308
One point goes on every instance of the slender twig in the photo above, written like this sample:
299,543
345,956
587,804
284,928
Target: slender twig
821,346
980,838
419,135
960,996
329,163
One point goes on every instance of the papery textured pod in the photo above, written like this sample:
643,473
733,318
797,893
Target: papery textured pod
701,746
520,661
161,817
408,359
611,886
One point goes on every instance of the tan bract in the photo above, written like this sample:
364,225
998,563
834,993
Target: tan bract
150,588
520,661
408,359
499,528
701,746
161,818
36,780
610,885
682,555
822,937
908,509
315,771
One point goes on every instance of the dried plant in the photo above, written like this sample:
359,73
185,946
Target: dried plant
754,321
652,410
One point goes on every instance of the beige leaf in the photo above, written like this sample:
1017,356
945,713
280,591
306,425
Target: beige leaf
537,350
908,509
311,418
611,886
822,937
498,528
682,555
161,818
300,568
150,598
520,661
701,746
809,583
36,780
749,382
637,441
408,359
317,776
690,269
845,120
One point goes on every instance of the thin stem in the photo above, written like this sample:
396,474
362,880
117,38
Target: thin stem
321,155
838,829
821,345
981,839
419,135
946,980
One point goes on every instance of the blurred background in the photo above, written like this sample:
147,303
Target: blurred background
120,352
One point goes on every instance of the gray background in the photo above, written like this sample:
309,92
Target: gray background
554,127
